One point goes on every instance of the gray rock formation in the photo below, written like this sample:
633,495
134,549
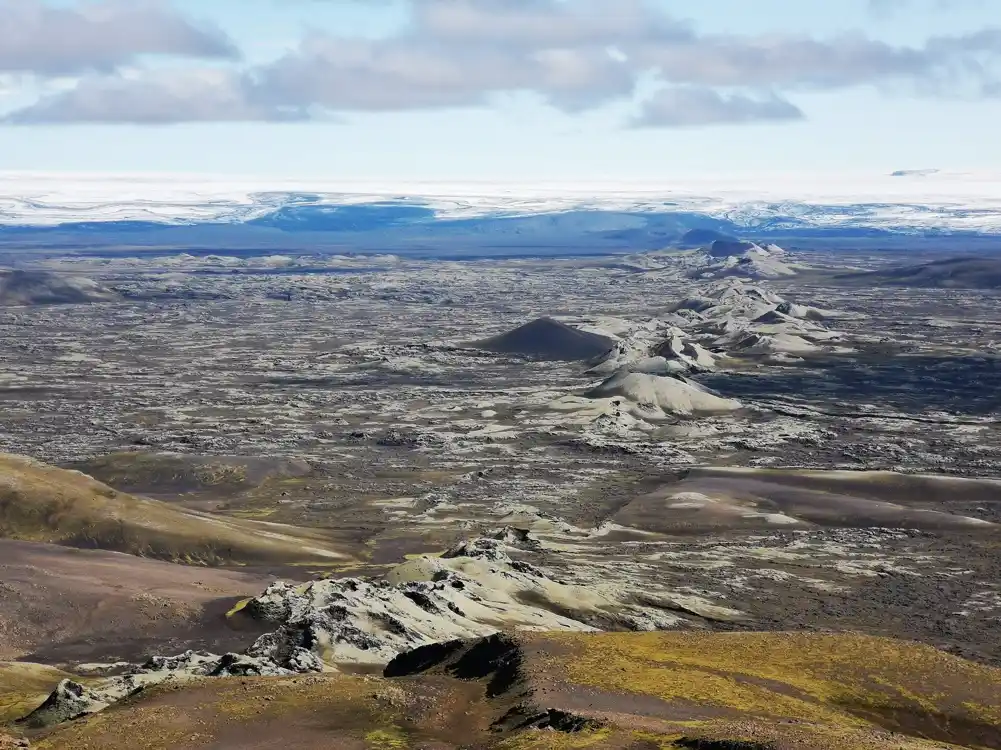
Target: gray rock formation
473,590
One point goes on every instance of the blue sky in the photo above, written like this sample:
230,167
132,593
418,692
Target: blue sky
499,90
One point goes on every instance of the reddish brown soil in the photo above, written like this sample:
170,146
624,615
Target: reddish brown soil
60,605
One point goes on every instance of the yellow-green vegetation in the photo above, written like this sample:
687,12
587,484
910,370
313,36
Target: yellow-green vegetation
42,503
767,691
324,712
24,687
546,739
843,682
238,608
637,691
761,737
386,739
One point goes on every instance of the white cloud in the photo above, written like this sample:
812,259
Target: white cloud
45,39
687,106
890,8
575,54
156,98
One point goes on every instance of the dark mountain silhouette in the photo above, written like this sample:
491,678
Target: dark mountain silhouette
548,339
951,273
727,248
703,237
48,288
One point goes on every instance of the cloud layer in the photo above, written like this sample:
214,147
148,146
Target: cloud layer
157,98
688,106
38,37
574,54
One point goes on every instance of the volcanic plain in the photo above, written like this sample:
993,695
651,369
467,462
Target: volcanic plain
732,497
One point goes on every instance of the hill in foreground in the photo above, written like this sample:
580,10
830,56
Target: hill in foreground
621,691
69,606
41,503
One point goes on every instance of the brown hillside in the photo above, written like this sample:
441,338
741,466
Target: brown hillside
41,503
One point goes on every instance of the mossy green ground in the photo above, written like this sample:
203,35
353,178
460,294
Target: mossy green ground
809,677
839,685
647,691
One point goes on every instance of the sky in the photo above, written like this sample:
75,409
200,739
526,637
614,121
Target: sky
499,90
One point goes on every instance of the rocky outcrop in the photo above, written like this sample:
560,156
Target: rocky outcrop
473,590
738,259
653,396
71,700
686,355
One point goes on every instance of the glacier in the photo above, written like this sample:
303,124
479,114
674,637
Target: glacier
196,209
